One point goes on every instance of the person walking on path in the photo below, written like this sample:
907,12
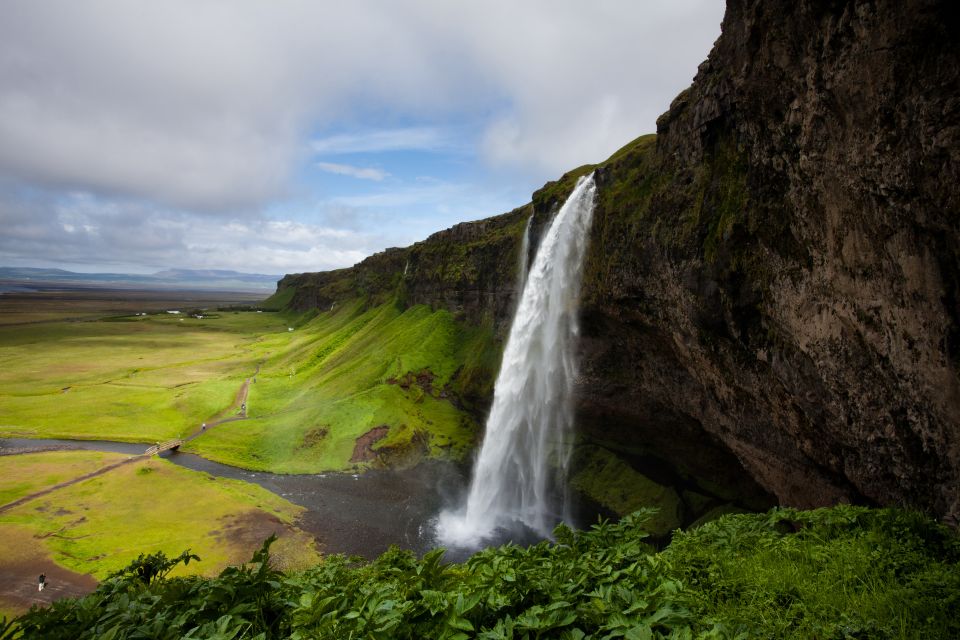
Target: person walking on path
41,582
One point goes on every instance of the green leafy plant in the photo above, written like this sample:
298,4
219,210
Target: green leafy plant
846,572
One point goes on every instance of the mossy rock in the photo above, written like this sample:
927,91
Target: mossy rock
613,483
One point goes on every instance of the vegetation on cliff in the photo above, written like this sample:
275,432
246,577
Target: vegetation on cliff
771,294
846,572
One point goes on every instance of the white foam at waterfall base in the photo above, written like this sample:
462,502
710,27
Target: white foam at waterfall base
519,477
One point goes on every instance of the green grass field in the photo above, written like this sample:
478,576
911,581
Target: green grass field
21,475
140,380
98,525
336,376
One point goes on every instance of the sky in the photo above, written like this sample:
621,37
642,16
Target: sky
291,136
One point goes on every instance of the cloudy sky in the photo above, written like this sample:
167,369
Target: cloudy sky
277,137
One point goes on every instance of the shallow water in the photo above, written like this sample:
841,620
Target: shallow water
355,514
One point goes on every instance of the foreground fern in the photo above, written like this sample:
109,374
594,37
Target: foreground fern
846,572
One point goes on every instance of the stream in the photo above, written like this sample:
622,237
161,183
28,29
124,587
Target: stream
354,514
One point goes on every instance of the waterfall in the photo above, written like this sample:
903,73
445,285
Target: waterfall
520,472
524,256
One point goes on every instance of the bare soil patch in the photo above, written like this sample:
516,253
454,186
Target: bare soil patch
313,437
27,559
248,530
363,449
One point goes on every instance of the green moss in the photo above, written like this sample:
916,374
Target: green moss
845,572
695,501
722,196
555,192
638,145
613,483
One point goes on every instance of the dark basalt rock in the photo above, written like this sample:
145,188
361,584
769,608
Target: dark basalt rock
469,269
791,285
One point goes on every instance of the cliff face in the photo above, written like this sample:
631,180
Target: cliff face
773,284
781,271
469,269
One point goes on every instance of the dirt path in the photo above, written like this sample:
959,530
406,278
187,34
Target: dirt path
67,483
18,583
238,409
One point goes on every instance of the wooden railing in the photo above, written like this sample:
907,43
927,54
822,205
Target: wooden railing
163,446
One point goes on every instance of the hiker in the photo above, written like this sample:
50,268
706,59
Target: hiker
41,582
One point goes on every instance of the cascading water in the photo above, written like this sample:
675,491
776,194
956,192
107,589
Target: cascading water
521,468
524,256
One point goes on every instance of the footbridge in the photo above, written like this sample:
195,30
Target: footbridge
160,447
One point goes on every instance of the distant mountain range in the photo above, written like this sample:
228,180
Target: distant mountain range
216,279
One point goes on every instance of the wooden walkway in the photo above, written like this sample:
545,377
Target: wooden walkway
160,447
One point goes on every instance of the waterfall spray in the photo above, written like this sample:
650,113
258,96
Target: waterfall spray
520,473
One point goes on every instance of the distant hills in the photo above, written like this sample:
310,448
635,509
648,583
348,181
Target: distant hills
213,279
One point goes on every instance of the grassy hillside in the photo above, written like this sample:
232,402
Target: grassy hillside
846,572
343,373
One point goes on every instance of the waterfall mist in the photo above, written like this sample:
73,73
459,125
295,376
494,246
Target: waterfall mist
519,478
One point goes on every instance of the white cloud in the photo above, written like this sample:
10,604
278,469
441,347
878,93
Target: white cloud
207,105
364,173
379,140
87,230
169,111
